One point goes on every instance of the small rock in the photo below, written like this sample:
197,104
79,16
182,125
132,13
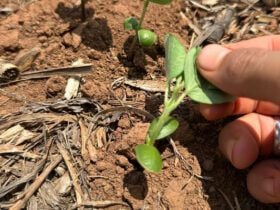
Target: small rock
119,170
51,48
208,165
42,39
129,92
94,54
165,164
55,85
94,89
122,161
72,40
9,40
45,30
124,123
45,45
101,165
177,173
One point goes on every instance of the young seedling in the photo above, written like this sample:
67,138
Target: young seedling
183,80
145,37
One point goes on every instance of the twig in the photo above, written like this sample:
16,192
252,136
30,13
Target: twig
5,190
122,109
190,24
35,117
226,199
98,177
147,85
35,185
12,149
236,202
189,168
189,180
72,171
99,204
60,71
196,4
84,137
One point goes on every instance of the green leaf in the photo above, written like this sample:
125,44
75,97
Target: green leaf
168,128
175,56
146,37
198,88
149,157
161,1
130,23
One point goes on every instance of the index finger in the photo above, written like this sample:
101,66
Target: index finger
266,42
238,107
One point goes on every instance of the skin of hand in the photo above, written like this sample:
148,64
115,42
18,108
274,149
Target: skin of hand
249,70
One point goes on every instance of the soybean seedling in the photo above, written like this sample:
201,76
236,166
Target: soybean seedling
183,80
145,37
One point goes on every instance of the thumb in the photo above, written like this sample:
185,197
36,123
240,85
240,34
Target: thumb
250,72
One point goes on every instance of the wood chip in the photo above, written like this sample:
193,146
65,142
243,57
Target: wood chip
73,83
84,138
147,85
8,71
36,184
12,149
72,170
99,204
25,59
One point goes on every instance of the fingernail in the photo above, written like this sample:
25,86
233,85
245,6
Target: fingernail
211,56
271,186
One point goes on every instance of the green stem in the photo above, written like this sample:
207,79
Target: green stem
145,7
151,137
169,106
132,46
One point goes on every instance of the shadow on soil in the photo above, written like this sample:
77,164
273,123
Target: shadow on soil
136,183
95,32
136,60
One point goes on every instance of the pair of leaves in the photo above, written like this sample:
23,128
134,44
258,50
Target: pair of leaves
178,62
169,127
147,155
131,23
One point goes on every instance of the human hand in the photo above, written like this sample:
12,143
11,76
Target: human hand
250,70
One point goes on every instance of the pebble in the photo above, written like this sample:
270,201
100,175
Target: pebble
94,54
72,39
55,84
9,40
42,39
124,123
101,165
122,161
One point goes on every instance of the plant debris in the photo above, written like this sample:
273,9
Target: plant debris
78,153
